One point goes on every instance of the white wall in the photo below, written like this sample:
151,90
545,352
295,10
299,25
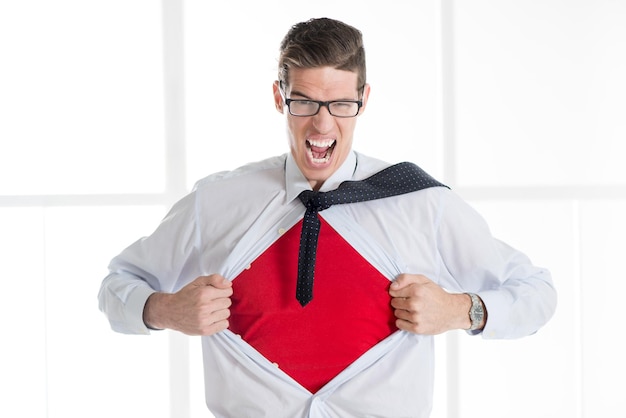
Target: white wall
111,110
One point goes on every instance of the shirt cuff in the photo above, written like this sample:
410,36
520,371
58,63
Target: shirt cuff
134,309
497,307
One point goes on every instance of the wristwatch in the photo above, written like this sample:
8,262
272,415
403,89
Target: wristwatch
476,312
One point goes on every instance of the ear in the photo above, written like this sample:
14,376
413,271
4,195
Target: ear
366,95
278,98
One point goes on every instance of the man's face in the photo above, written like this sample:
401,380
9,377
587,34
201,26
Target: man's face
320,143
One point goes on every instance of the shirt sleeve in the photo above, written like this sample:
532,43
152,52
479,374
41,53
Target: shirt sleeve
164,261
122,298
519,297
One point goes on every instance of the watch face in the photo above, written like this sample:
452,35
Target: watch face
476,311
477,315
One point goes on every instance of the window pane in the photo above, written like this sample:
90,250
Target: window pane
540,92
544,367
23,348
87,361
81,102
603,290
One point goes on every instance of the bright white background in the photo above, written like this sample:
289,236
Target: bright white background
111,110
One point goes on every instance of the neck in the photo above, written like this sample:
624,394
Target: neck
316,185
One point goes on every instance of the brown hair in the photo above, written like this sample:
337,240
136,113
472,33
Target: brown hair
319,43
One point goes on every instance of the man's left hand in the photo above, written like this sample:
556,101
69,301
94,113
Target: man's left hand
423,307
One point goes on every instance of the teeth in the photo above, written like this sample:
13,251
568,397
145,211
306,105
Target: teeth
326,143
323,144
319,160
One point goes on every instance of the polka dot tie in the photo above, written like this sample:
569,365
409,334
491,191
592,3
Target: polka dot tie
395,180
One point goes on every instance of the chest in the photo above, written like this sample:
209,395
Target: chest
350,311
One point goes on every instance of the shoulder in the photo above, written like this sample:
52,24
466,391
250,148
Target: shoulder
366,166
266,171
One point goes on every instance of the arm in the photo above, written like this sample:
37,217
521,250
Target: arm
199,308
518,297
157,283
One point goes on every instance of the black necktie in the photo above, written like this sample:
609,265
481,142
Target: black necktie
394,180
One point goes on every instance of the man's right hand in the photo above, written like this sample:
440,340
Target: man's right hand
199,308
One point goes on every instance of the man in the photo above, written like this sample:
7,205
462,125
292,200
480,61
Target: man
351,336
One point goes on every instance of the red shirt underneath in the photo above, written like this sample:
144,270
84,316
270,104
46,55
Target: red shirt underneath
350,311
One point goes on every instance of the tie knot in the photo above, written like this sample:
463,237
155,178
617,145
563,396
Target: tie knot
314,200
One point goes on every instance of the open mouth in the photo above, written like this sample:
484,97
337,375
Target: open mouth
320,150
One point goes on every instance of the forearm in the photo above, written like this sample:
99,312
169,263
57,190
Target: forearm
462,304
155,311
518,296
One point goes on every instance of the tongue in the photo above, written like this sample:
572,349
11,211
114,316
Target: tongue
319,152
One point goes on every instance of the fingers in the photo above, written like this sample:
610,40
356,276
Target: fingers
214,280
212,287
406,322
413,318
401,302
207,315
419,304
201,307
401,287
217,320
213,297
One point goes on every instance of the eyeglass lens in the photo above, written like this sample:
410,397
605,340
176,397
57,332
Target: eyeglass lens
310,108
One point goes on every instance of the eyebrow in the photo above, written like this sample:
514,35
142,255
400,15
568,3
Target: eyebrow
297,93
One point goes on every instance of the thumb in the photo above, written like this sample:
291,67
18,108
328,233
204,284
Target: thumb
215,280
404,280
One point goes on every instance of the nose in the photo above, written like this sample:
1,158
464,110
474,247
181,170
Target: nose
323,121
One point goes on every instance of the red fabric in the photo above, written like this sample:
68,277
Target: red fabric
350,311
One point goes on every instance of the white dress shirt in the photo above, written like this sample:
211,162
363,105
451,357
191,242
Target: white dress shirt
230,218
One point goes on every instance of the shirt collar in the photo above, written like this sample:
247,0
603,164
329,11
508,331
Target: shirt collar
296,182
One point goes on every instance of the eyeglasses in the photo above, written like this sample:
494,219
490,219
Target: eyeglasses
337,108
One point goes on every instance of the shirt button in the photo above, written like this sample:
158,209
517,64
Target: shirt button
281,231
